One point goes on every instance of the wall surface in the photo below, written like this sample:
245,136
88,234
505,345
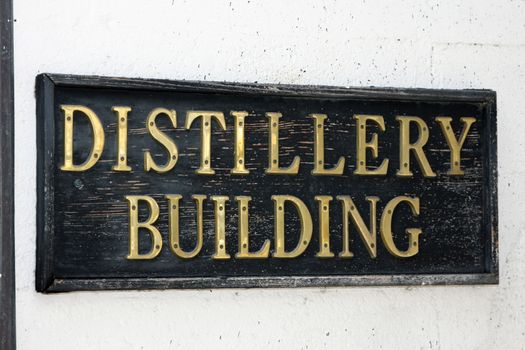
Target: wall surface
434,44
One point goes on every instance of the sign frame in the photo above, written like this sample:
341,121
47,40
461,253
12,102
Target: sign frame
46,282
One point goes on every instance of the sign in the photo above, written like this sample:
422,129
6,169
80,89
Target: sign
172,184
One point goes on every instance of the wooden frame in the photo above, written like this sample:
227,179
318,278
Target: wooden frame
7,256
47,282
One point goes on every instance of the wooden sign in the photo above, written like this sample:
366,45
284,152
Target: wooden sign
172,184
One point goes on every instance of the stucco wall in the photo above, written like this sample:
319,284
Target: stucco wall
449,44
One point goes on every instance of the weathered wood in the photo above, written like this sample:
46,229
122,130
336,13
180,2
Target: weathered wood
7,251
83,217
65,285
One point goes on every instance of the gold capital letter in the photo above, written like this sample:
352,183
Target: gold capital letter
369,237
273,146
324,227
306,226
363,145
98,138
319,168
238,166
163,139
386,228
220,227
244,243
135,225
173,202
205,167
417,147
455,145
122,139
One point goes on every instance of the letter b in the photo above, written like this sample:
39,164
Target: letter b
135,225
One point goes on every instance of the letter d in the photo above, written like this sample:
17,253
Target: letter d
306,226
98,138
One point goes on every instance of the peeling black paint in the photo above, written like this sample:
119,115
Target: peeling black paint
82,217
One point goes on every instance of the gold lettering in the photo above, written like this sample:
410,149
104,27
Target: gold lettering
220,227
244,243
306,226
324,227
98,138
273,145
369,237
173,203
417,147
319,168
135,225
163,139
238,166
386,228
122,139
455,145
363,145
205,167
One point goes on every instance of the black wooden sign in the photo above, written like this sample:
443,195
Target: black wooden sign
174,184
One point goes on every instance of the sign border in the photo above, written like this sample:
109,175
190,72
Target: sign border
47,83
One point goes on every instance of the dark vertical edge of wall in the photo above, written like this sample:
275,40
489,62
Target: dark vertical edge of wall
7,255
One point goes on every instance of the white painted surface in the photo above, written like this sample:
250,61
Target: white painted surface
452,44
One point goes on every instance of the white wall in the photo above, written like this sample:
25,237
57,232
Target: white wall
448,44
